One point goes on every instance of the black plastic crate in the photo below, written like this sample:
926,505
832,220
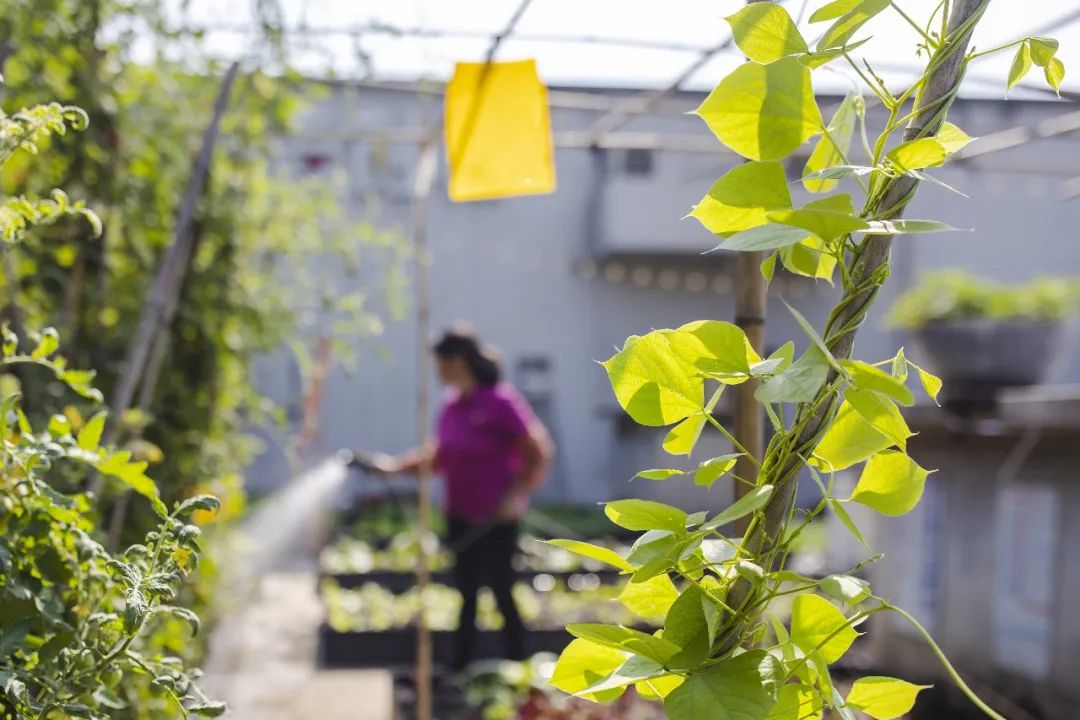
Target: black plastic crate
397,582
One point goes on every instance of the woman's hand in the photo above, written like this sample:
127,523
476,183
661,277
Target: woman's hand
512,506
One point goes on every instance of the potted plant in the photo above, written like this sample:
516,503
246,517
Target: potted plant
980,335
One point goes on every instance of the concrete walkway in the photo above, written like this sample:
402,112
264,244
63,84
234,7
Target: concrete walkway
261,659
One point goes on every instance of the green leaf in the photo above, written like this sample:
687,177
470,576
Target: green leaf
47,344
796,702
867,377
908,227
90,434
1021,64
843,517
833,10
682,438
132,474
744,687
659,474
59,426
849,440
900,366
650,599
1043,50
883,698
812,334
798,383
809,258
917,154
740,199
840,172
846,589
822,221
952,138
763,112
891,483
1055,74
765,32
713,469
751,502
778,361
715,347
768,267
593,552
848,24
881,412
635,514
818,626
626,639
635,669
931,383
652,384
763,237
832,149
584,664
691,624
208,709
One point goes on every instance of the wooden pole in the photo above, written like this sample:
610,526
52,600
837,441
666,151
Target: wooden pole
750,301
424,181
168,281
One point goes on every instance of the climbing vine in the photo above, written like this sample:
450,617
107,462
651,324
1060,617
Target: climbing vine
724,650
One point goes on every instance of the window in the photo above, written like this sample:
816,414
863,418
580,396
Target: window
639,161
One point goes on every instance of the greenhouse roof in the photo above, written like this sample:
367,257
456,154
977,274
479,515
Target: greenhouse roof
605,43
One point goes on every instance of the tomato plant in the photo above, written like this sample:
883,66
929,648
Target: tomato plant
77,622
724,651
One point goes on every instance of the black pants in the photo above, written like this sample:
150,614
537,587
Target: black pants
484,556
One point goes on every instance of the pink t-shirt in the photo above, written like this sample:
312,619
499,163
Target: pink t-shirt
478,456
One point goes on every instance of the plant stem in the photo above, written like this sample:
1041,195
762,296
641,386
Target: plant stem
975,699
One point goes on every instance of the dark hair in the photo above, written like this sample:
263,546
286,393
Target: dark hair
461,342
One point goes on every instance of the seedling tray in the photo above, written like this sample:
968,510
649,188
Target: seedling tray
398,647
397,582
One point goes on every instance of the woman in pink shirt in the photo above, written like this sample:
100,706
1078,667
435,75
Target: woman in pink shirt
492,453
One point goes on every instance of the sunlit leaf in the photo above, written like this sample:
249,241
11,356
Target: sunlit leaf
764,112
682,438
867,377
818,626
740,199
855,16
883,698
660,474
832,149
651,384
825,218
650,599
751,502
796,702
1055,74
849,440
583,664
765,32
626,639
1021,64
908,227
1043,50
881,412
634,514
891,483
845,519
713,469
594,552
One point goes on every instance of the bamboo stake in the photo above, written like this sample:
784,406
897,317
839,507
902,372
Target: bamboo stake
750,302
424,181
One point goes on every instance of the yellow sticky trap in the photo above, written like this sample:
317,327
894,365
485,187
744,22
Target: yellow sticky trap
498,132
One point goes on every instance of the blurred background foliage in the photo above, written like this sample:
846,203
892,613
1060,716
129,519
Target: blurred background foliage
254,227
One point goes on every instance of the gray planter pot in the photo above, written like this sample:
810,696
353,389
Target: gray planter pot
990,353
